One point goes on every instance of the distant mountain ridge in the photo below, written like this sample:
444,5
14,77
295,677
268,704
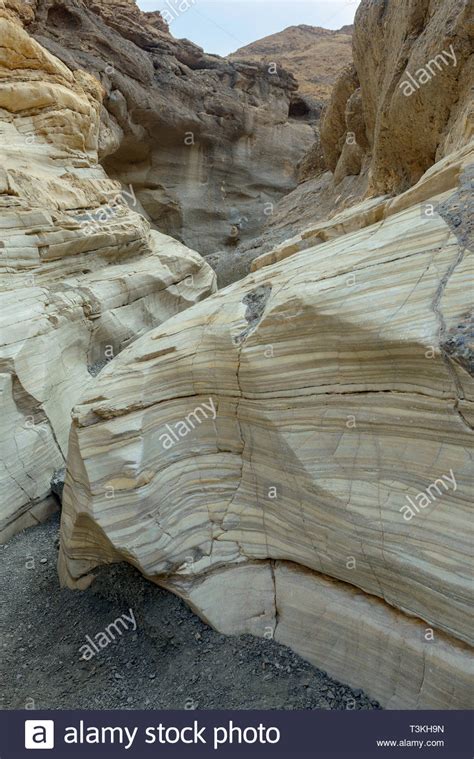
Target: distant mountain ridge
313,54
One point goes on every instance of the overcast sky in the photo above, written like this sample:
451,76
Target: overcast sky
222,26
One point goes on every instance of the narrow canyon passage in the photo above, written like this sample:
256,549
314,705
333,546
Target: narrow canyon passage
236,357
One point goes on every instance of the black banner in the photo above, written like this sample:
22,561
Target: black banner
249,734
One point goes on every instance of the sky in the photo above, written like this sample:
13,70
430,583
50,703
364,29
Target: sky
222,26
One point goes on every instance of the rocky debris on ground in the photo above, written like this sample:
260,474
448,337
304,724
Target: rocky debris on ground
172,661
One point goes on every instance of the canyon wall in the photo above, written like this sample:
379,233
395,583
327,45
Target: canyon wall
380,131
207,143
416,72
292,455
81,272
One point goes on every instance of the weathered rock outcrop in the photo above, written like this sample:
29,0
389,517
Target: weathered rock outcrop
406,101
428,45
81,273
378,136
206,143
440,178
292,455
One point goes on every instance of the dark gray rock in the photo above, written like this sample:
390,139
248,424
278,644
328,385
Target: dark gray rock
57,483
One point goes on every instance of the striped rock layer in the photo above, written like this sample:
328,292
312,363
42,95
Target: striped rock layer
341,382
81,272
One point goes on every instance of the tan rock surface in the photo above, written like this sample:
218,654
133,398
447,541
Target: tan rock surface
360,640
374,139
334,127
407,101
341,381
81,273
440,178
408,133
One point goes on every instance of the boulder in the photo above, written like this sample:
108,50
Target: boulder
292,455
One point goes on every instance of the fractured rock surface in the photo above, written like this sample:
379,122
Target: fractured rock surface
81,273
342,395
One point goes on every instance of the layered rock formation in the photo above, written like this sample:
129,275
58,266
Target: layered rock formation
290,455
258,453
81,273
315,56
206,143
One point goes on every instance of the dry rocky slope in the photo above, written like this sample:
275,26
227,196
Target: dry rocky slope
291,455
315,56
81,273
206,143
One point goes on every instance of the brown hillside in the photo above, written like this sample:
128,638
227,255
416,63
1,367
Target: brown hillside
314,55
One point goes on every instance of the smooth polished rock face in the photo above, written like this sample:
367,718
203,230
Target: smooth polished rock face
399,660
312,421
81,273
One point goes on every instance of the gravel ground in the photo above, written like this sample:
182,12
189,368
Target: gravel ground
172,660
